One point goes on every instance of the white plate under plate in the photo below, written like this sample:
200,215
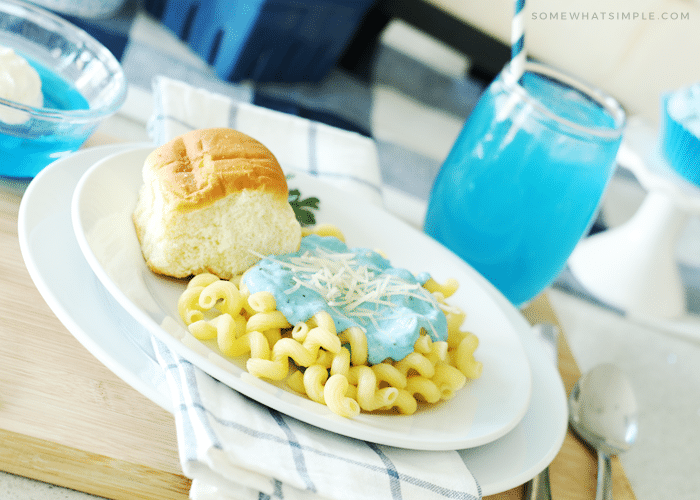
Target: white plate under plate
485,410
71,289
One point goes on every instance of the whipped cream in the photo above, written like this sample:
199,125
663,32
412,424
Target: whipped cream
19,82
684,107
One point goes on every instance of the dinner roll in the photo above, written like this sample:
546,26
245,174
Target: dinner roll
210,201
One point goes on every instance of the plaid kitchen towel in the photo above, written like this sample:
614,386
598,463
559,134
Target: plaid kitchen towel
233,447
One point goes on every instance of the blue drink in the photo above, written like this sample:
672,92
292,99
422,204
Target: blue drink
524,178
29,147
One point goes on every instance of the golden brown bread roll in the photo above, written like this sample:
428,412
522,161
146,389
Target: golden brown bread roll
211,199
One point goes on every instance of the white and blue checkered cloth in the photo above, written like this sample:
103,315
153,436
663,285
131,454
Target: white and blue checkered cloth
235,448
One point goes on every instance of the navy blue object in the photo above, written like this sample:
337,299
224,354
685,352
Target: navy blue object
264,40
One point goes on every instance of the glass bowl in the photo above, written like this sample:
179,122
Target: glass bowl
82,83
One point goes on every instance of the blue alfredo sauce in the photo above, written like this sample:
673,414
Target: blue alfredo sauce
391,317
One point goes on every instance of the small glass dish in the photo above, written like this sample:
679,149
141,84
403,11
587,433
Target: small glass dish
82,83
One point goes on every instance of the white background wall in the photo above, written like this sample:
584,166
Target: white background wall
636,59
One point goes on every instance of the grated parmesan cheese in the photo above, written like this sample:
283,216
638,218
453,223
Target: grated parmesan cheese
345,284
360,288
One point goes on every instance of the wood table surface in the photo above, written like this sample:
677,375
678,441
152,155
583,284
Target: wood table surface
67,420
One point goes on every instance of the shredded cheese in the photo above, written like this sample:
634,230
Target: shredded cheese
355,290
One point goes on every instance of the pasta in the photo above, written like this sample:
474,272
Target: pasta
335,395
327,366
324,230
369,395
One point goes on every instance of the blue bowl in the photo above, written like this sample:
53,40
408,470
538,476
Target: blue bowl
82,83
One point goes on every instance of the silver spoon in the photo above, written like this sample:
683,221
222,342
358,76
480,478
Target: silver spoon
603,411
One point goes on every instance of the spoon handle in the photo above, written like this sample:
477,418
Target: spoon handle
538,487
604,484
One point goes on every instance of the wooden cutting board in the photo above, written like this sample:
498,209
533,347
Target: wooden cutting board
66,419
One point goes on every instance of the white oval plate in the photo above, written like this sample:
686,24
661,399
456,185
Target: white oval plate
485,410
57,266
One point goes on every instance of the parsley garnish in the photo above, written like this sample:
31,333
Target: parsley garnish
302,207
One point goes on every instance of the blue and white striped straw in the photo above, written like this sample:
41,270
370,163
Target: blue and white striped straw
518,55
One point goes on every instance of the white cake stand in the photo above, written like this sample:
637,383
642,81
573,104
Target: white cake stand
633,266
